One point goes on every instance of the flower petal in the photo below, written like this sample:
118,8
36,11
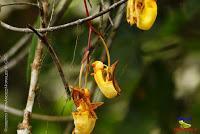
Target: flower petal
84,122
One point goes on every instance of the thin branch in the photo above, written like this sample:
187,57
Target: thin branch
35,116
19,4
54,28
60,10
55,59
13,50
103,6
25,127
15,60
117,21
52,13
75,47
57,13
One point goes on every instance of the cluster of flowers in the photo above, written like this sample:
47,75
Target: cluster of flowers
85,117
140,12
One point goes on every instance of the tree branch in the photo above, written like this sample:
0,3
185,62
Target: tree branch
25,127
35,116
59,11
55,59
117,21
13,50
54,28
15,60
19,4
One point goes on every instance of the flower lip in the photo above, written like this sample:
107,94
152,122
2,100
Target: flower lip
105,79
97,65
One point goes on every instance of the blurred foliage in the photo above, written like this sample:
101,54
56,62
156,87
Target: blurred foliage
152,92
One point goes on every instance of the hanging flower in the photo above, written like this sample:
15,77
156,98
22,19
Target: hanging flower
104,77
84,121
143,13
84,117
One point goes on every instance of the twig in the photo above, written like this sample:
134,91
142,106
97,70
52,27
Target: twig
116,24
55,59
54,28
15,60
52,13
75,47
13,50
60,10
103,6
35,116
19,4
25,127
87,52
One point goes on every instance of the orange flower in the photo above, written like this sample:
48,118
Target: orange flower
84,117
143,13
106,83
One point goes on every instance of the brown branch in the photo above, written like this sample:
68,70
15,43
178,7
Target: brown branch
35,116
117,21
19,4
102,4
25,127
55,59
52,14
54,28
15,48
15,60
60,10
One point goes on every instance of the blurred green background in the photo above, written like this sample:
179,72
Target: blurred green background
158,72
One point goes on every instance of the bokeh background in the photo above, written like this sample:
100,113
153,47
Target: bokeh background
158,72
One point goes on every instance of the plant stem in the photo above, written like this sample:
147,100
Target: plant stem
55,59
24,127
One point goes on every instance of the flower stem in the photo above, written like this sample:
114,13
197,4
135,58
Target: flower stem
106,49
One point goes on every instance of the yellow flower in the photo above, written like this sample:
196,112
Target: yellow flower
84,121
106,83
143,13
84,117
